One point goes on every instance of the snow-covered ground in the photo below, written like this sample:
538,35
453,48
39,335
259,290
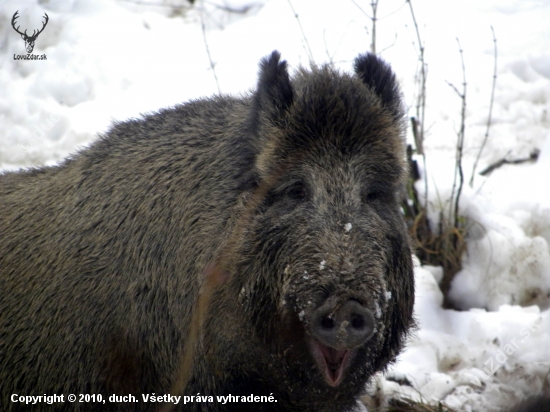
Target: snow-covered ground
110,60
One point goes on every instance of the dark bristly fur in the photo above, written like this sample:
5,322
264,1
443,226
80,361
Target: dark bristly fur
292,191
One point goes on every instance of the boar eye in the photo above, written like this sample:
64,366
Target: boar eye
372,196
297,191
375,193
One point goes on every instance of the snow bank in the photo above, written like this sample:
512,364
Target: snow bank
474,360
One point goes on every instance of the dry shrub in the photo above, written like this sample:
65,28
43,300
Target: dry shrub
443,245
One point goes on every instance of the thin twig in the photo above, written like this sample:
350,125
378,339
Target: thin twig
360,8
533,156
459,146
417,140
374,19
383,17
452,86
310,54
148,3
462,136
330,58
237,10
390,46
212,65
374,5
490,109
421,103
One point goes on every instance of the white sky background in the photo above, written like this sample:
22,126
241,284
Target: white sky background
110,60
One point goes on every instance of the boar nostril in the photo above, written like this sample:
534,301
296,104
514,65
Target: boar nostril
327,323
357,321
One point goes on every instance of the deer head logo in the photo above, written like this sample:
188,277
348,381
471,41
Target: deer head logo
29,40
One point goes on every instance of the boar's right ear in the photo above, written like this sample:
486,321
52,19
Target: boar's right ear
379,77
274,94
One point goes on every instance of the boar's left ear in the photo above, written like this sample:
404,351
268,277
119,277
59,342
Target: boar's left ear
379,77
274,94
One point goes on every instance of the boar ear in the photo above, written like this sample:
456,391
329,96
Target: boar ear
274,94
379,77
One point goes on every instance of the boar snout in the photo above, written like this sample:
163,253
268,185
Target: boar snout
337,330
345,327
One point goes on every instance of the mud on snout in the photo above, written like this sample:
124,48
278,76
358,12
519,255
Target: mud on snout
340,308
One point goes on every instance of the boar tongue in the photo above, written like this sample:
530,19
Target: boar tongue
332,362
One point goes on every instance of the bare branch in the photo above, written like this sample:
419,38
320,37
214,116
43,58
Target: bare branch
417,141
454,209
308,49
330,58
390,46
454,88
383,17
532,158
490,109
212,65
374,5
420,120
373,18
360,8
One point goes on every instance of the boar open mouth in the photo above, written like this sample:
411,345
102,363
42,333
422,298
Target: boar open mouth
332,363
